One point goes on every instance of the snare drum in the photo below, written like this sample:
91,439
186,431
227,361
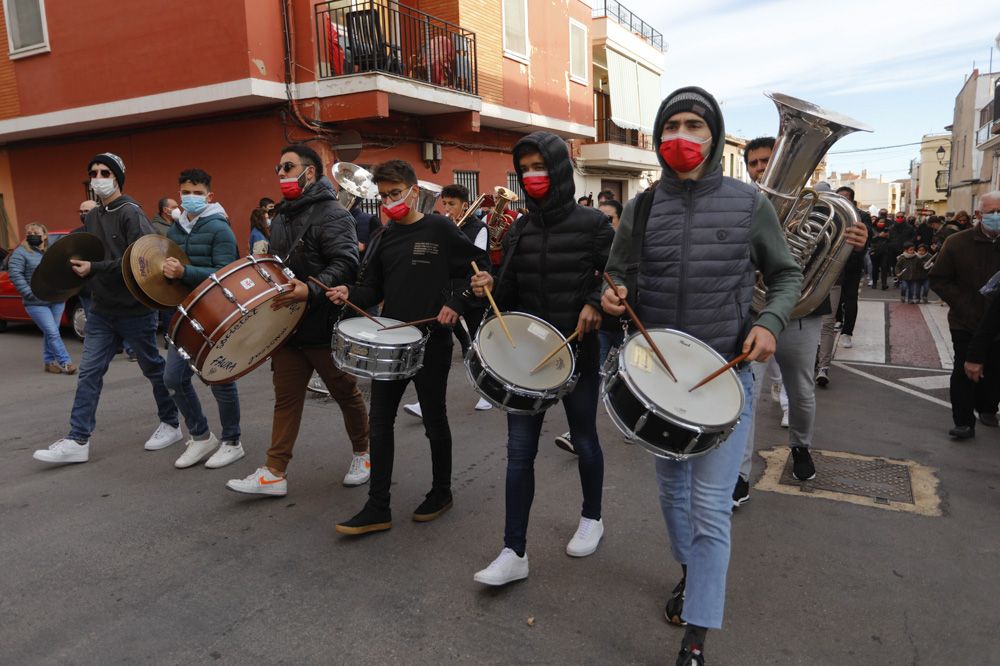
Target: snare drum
362,349
502,374
661,415
225,328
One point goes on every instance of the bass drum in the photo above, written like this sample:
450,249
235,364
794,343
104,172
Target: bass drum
226,328
662,415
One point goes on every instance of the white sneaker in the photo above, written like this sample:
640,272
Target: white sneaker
507,568
164,436
588,535
483,405
261,482
360,470
784,418
776,391
414,409
846,342
228,453
196,451
64,451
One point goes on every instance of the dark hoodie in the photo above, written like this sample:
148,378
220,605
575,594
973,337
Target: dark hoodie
118,225
562,248
702,243
328,251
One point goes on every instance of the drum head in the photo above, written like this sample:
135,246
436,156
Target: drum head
250,340
364,330
716,404
535,338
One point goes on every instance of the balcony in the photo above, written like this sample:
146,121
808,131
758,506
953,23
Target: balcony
619,14
423,64
618,149
608,132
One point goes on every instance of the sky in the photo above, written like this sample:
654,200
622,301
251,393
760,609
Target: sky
895,66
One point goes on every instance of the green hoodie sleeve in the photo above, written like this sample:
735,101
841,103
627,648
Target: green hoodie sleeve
770,254
621,245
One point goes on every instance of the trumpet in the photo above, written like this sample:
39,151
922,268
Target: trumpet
471,209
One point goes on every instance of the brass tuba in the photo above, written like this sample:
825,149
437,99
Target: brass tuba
496,224
354,183
813,222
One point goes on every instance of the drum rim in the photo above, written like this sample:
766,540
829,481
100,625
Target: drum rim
489,370
653,407
549,400
425,335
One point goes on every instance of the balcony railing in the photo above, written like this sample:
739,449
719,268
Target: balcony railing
625,18
985,133
608,132
374,36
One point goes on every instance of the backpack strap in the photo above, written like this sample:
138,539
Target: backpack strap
643,206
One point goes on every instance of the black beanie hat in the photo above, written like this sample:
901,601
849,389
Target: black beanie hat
114,163
696,103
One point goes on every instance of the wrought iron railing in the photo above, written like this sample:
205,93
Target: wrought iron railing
374,36
619,14
608,131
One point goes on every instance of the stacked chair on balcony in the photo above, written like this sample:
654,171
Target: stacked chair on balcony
370,51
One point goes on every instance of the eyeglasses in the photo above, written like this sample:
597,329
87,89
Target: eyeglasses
100,173
390,195
285,167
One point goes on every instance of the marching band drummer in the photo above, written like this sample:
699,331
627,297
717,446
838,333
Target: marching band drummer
410,269
203,232
314,235
689,250
552,258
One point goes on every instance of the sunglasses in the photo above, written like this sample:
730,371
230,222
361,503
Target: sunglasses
285,167
100,173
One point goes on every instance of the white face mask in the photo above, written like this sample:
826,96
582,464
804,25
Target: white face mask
103,187
176,214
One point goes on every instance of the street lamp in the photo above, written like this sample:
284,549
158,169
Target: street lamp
940,154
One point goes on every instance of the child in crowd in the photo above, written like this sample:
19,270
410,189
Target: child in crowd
921,274
906,267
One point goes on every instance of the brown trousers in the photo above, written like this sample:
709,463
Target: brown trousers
293,367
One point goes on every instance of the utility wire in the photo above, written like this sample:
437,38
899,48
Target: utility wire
866,150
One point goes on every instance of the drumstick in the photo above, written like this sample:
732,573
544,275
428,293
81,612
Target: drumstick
410,323
352,305
739,359
642,329
496,310
554,352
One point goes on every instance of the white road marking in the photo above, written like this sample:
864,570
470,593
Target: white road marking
869,335
930,382
936,317
886,382
896,367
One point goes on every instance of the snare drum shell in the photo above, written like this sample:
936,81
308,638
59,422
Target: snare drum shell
377,361
502,394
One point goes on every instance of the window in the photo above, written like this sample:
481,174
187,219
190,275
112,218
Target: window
27,33
515,186
515,28
577,52
470,179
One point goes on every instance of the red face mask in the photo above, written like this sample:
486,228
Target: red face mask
291,188
536,184
682,152
397,210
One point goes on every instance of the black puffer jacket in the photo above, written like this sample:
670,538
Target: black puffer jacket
328,251
562,248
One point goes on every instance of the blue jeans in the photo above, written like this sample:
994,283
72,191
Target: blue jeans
609,340
101,339
696,497
908,289
923,288
177,376
47,318
522,446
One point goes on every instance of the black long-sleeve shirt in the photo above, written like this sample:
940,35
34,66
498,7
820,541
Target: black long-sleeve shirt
412,269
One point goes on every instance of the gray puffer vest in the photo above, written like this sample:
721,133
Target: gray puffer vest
695,273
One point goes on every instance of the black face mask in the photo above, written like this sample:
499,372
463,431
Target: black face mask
34,240
83,217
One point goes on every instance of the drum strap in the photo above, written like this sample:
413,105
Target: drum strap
643,206
310,221
515,236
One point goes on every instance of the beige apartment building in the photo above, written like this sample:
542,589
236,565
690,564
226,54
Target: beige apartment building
928,182
972,168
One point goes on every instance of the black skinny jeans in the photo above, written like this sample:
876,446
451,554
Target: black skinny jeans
966,395
432,387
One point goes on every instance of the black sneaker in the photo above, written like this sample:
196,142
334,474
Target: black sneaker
368,520
675,605
741,493
691,656
988,420
565,443
435,503
133,357
802,464
962,432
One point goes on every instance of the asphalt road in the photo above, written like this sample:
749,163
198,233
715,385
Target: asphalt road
127,560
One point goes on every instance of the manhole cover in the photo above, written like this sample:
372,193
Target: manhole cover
878,479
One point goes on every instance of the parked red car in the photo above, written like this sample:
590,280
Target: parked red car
12,309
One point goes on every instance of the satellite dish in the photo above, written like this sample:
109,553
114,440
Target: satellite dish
348,146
